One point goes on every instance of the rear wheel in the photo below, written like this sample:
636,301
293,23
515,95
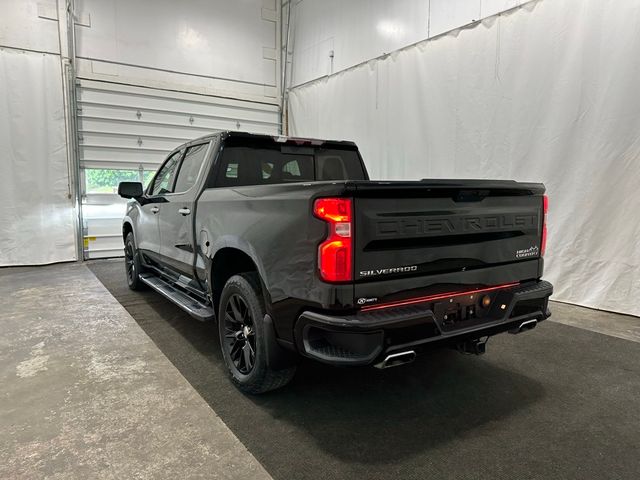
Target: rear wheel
132,263
242,337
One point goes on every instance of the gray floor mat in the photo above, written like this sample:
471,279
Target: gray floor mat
557,402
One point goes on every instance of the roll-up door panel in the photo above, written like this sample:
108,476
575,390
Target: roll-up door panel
125,132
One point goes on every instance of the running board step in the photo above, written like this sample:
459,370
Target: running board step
189,304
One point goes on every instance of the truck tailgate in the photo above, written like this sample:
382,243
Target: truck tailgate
429,231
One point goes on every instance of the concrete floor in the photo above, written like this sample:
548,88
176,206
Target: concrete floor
607,323
86,394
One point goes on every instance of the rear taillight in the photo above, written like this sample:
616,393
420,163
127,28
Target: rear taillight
335,253
545,209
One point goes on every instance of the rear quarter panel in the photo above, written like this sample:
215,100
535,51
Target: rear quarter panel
275,226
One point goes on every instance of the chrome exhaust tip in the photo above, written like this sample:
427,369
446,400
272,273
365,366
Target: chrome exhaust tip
524,327
397,359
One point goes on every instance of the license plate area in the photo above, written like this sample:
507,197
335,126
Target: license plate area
466,311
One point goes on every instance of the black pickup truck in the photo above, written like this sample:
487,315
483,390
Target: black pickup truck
294,251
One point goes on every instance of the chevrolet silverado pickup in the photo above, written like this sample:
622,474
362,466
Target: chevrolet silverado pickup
293,251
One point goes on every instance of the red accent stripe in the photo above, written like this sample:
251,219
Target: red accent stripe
439,296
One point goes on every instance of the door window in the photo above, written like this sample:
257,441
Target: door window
190,167
163,182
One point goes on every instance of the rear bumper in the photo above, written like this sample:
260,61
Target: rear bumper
366,337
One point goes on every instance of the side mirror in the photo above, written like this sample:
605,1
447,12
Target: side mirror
130,189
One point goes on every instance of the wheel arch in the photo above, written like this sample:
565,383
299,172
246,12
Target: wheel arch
229,261
127,228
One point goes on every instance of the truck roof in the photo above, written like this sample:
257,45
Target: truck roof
277,138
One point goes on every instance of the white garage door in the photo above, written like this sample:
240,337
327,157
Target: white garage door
126,131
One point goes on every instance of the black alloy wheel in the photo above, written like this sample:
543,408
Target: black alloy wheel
132,264
241,329
240,335
129,263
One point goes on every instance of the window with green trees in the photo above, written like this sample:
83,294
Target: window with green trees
106,180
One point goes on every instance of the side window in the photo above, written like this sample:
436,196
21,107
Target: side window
267,170
330,167
231,171
190,167
298,170
163,182
292,168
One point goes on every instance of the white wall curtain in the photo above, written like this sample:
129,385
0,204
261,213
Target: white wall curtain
549,92
36,213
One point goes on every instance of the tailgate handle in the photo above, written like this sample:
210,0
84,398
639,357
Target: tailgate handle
471,195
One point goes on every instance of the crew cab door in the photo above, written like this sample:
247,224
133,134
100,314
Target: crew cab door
177,243
147,230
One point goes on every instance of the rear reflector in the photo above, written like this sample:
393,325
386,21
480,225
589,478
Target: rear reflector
545,209
335,253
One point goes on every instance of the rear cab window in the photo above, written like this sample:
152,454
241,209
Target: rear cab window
263,161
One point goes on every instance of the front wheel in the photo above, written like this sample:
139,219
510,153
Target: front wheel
242,337
132,263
